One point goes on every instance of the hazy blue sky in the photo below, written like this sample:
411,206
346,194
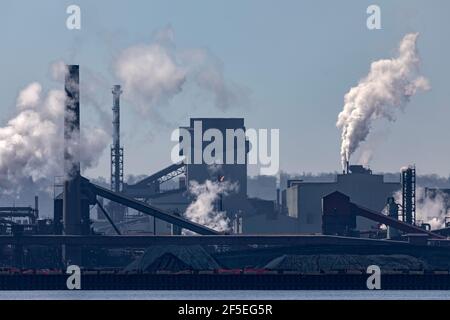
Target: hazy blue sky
296,60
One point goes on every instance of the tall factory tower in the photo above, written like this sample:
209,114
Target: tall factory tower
116,149
409,194
117,211
72,209
72,189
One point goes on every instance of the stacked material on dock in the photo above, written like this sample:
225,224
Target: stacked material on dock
331,262
173,258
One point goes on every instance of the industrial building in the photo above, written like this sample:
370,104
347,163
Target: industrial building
144,221
236,204
304,199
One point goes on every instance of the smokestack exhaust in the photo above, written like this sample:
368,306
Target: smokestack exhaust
72,211
36,206
72,120
387,88
72,193
116,149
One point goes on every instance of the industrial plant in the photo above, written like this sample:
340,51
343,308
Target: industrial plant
333,229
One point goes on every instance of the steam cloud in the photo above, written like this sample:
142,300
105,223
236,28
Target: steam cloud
203,210
31,143
152,74
388,87
431,209
214,170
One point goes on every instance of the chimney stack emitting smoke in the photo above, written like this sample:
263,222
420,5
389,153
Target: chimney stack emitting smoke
116,149
72,120
72,184
387,88
72,208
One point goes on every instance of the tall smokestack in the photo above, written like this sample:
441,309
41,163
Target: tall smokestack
72,120
72,194
116,149
36,206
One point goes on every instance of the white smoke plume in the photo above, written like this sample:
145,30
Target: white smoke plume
214,170
95,91
32,142
387,88
431,208
153,74
150,74
58,71
207,72
26,145
204,210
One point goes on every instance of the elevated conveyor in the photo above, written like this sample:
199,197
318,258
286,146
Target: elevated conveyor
396,224
338,206
150,186
140,206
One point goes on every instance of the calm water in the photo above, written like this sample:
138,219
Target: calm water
224,295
